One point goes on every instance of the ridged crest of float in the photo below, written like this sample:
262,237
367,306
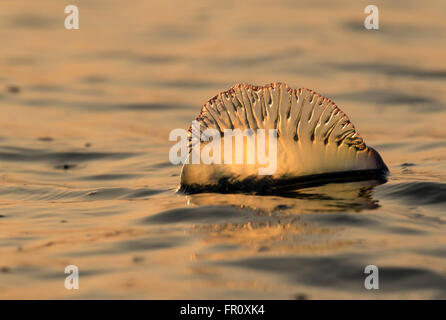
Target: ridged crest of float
314,137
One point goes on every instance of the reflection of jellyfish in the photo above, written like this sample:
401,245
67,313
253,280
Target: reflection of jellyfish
277,223
332,197
316,143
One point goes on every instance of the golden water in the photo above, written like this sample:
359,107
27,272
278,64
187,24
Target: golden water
85,177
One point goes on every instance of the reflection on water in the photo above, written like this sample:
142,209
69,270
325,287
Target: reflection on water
336,197
272,223
85,117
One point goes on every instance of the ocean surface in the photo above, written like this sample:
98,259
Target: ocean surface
85,177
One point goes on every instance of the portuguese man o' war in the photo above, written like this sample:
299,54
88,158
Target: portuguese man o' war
314,142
